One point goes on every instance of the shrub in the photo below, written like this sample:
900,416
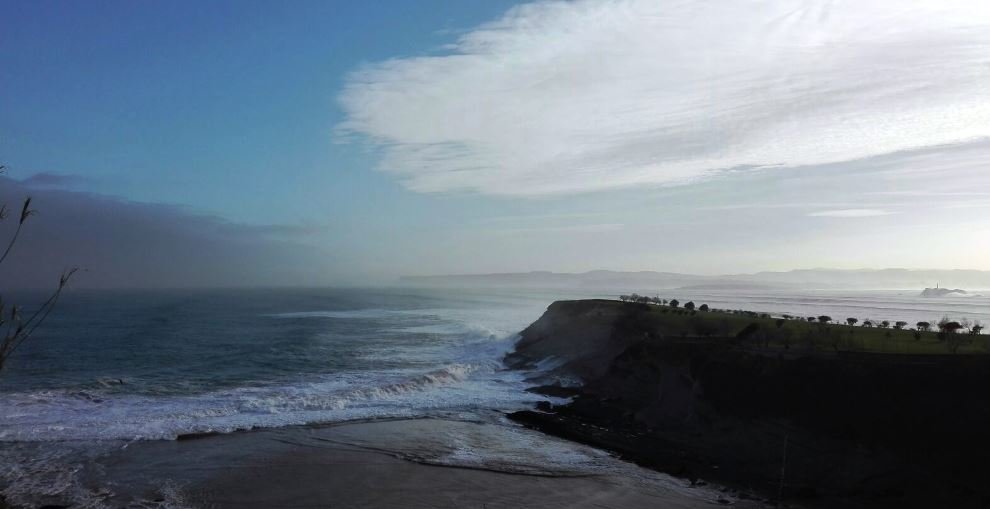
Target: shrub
19,327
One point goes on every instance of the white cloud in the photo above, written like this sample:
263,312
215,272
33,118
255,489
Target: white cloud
575,228
851,213
559,97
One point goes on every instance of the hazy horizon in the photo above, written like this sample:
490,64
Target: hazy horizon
312,144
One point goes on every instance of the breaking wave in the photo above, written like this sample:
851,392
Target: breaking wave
93,415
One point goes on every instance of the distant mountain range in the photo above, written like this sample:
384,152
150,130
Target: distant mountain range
807,279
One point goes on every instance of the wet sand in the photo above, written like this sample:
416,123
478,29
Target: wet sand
407,463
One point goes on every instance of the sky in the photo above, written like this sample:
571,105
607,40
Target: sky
311,143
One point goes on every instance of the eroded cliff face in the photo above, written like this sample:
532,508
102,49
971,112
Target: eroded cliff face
578,338
864,430
622,356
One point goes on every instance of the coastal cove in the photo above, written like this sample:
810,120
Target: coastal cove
174,393
495,254
352,397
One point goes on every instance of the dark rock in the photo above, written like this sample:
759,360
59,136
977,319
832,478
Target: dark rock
861,430
544,406
555,391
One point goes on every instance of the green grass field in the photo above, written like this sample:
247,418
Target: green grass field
799,334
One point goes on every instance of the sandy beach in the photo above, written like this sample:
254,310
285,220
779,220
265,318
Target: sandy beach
396,463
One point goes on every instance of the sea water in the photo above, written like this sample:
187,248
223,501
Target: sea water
156,365
110,367
116,366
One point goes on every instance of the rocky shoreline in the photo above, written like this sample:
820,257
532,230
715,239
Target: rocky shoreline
798,428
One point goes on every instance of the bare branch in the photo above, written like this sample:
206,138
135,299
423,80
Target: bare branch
26,212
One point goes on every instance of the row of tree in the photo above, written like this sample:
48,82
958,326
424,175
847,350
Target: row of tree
945,325
643,299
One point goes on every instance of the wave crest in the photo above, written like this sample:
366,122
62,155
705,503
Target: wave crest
61,415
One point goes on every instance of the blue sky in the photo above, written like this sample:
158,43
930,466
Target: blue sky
414,137
206,104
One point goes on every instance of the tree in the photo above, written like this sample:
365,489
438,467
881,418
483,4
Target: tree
900,325
623,298
953,340
19,327
885,324
947,326
923,326
947,331
673,303
852,321
950,327
824,319
689,306
704,307
811,318
868,323
976,330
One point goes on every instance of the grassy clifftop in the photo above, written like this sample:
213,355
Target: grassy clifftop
723,395
760,330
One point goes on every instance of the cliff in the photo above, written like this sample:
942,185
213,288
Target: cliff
846,429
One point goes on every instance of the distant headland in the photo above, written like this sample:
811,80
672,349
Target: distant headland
806,279
941,292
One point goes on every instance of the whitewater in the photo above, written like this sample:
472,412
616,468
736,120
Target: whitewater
113,368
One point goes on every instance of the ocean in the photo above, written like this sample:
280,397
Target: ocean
156,365
113,367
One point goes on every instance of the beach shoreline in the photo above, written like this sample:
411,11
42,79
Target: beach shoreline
427,462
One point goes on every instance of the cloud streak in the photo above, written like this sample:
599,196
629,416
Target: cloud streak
850,213
567,97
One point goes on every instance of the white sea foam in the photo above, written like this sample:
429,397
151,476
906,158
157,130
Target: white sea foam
77,415
32,475
381,363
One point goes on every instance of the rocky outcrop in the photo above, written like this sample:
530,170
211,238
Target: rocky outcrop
578,338
941,292
853,430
